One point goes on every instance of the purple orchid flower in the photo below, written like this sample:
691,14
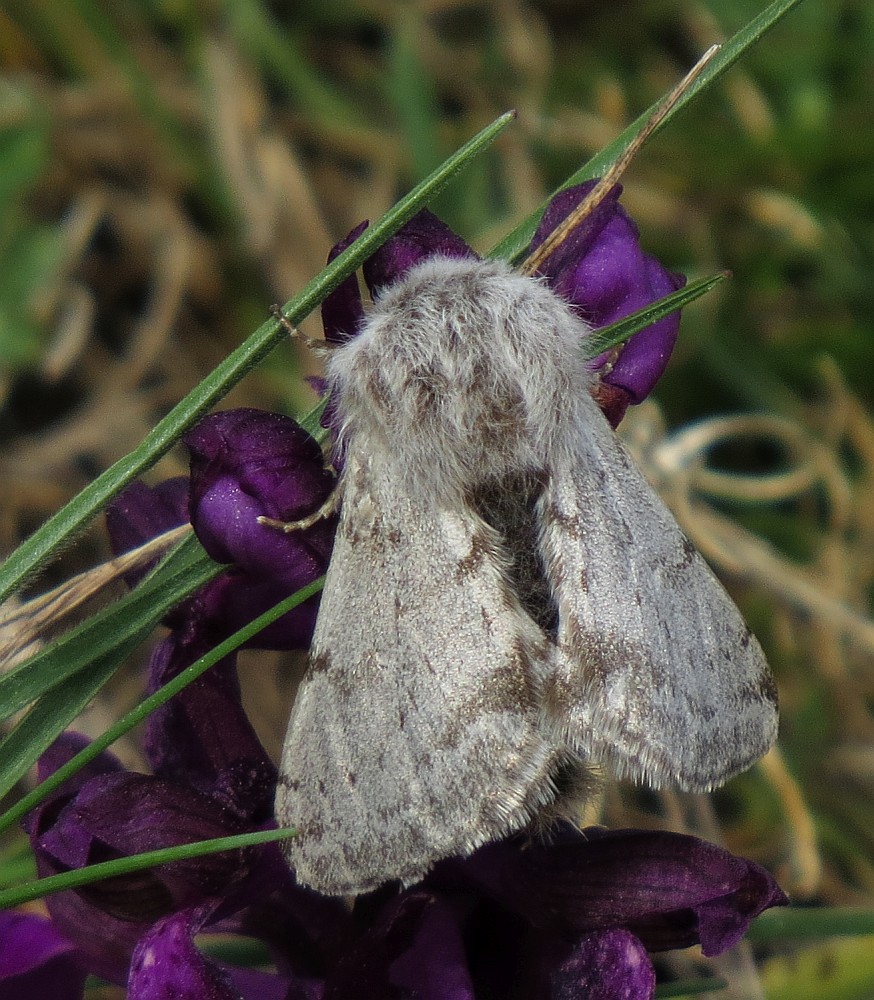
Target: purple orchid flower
36,960
244,463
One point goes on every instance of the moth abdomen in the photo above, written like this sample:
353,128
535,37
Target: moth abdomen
509,504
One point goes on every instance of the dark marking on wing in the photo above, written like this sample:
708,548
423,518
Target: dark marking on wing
481,549
509,505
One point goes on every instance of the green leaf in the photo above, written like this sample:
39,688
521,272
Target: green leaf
49,717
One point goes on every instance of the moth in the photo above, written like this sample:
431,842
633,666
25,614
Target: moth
508,605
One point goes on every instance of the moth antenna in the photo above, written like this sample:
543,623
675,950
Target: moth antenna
329,507
319,347
594,198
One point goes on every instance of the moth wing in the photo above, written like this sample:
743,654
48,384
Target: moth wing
415,734
657,674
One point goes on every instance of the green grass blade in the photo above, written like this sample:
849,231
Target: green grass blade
268,45
410,89
617,333
148,705
137,862
51,715
130,619
115,636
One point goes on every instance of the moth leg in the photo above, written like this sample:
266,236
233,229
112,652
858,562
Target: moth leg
316,346
329,507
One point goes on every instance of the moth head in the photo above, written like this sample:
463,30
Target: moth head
466,369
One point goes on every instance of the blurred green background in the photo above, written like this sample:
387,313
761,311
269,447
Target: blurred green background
170,169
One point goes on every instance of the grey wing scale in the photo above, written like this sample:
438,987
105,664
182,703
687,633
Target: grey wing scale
415,734
657,675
